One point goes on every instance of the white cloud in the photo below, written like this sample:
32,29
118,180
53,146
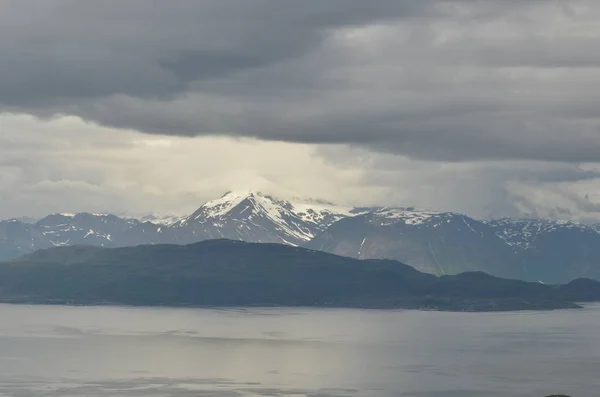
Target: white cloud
66,164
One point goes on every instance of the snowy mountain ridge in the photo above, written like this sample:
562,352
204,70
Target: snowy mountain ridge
275,207
236,214
522,233
259,217
432,241
408,216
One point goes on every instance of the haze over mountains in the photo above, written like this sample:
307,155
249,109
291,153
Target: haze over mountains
433,242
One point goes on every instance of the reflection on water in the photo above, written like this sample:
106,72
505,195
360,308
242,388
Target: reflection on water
109,351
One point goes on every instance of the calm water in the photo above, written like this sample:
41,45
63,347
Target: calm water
106,351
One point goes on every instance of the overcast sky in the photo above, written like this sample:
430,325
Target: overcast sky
486,107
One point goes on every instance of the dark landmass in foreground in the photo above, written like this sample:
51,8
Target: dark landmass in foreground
234,273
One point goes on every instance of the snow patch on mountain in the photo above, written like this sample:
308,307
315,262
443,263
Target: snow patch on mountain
409,216
223,205
164,220
244,213
522,233
319,212
280,213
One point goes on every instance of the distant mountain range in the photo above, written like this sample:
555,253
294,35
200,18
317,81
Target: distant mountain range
440,243
235,273
247,216
433,242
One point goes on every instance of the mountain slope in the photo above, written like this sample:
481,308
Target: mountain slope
18,238
83,228
247,216
552,251
256,217
233,273
433,242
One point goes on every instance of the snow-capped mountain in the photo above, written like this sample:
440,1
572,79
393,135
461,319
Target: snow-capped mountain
447,243
434,242
83,228
523,233
553,251
257,217
323,213
249,216
166,220
18,237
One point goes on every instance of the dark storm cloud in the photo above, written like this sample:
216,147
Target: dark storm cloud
429,79
62,50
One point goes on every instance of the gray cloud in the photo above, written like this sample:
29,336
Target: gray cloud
67,165
64,50
487,108
428,79
489,189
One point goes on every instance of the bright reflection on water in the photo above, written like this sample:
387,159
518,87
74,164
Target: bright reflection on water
109,351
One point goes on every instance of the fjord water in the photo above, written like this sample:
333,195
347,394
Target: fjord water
113,351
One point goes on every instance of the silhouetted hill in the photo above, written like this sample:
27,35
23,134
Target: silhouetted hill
235,273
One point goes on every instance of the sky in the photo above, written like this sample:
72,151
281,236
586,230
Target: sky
488,107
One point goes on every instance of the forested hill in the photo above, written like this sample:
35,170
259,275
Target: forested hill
235,273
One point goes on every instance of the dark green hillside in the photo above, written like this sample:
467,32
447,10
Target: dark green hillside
233,273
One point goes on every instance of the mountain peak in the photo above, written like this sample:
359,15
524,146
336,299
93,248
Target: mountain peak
312,211
255,216
522,233
222,206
